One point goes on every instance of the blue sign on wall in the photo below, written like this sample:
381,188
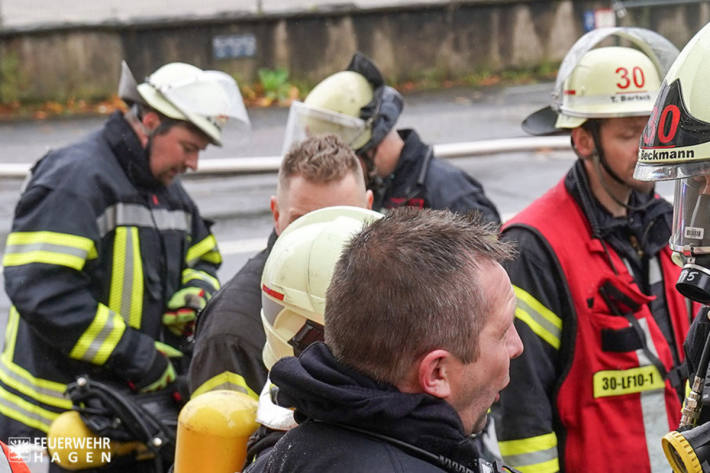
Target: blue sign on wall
234,46
588,20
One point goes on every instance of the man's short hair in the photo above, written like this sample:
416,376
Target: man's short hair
408,284
320,159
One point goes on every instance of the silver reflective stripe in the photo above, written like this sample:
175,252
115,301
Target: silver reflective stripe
135,215
653,407
100,337
24,412
540,319
59,395
52,248
5,464
532,458
654,271
126,296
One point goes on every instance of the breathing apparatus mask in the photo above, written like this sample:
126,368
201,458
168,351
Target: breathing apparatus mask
676,145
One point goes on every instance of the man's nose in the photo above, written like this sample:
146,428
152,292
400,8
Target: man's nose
192,160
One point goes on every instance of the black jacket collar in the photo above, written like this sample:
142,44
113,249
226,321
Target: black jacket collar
321,388
133,158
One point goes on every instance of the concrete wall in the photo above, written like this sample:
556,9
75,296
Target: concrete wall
439,41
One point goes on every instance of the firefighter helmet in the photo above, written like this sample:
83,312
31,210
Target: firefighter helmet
206,99
354,104
604,82
297,274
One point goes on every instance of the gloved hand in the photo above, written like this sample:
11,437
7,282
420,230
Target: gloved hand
184,306
160,374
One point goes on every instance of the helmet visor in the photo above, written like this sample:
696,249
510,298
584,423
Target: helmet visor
305,121
691,216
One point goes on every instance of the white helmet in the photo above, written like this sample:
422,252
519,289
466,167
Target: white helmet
297,274
354,104
605,82
184,92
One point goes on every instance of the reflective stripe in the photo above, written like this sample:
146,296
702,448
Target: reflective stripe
189,274
538,454
49,248
654,271
15,407
541,320
13,375
98,341
136,215
653,407
204,250
5,462
126,296
226,380
48,392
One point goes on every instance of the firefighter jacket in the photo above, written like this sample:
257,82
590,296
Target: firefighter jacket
230,335
11,462
422,180
330,397
97,247
602,325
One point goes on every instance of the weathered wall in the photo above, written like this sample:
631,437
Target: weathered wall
438,41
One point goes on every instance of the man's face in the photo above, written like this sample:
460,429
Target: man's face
303,196
479,383
174,152
620,140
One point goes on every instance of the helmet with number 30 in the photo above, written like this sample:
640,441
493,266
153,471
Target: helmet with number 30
599,81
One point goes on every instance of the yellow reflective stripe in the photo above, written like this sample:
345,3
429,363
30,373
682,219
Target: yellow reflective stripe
634,380
13,375
49,248
226,380
15,407
205,250
99,340
189,274
527,445
538,454
13,321
541,320
43,390
126,295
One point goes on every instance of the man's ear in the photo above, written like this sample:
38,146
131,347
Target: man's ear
148,122
583,142
370,198
435,373
274,204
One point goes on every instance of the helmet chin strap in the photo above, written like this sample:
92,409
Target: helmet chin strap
599,161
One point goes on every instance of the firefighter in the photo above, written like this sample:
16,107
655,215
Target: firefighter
674,145
108,259
402,170
599,382
320,171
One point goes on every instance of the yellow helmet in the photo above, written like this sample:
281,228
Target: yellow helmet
354,104
180,91
604,82
297,274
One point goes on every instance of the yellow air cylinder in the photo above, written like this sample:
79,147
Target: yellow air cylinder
74,447
213,429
